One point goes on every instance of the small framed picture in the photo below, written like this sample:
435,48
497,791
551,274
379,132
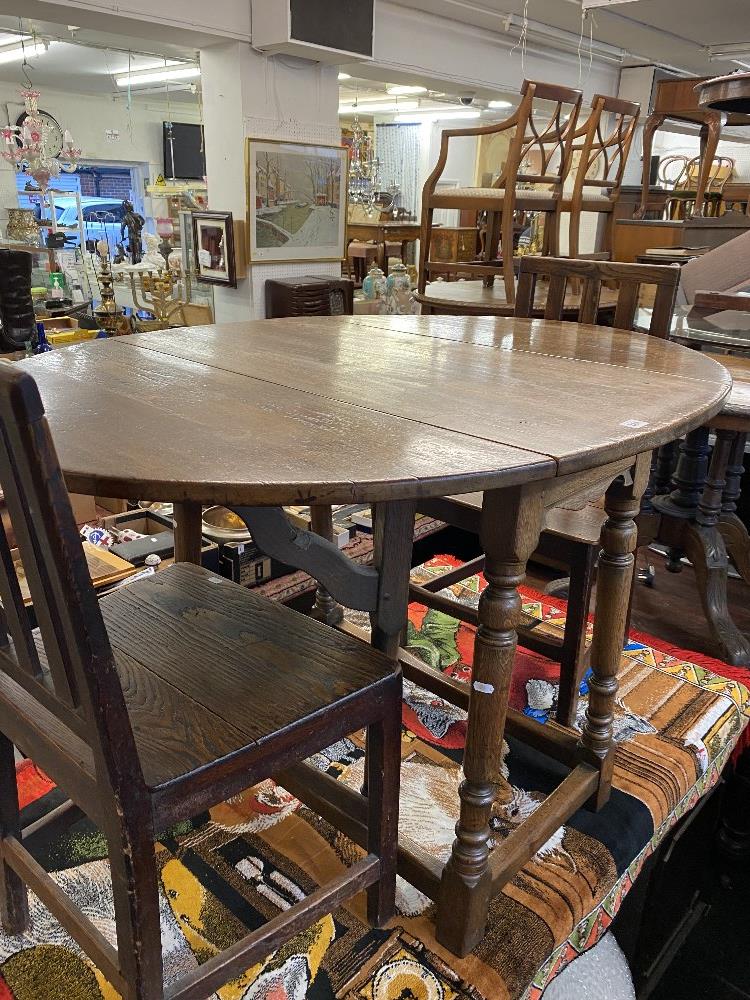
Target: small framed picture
213,245
296,201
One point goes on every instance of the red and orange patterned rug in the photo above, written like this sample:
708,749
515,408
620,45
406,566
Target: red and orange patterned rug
237,865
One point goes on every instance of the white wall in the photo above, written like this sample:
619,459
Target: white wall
247,94
419,43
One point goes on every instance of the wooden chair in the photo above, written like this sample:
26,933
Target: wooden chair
571,535
681,204
542,133
168,697
604,154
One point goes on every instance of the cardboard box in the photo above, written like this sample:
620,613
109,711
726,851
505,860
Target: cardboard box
111,504
152,523
84,508
243,563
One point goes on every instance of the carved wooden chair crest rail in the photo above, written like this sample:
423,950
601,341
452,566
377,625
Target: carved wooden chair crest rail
111,700
551,145
571,538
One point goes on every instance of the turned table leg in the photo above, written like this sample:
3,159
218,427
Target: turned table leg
510,528
734,532
619,539
326,609
705,548
687,484
187,532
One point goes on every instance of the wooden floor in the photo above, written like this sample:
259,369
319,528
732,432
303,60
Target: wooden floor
670,610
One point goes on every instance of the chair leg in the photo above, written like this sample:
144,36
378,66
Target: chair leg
135,887
425,239
507,243
574,232
14,906
383,779
573,652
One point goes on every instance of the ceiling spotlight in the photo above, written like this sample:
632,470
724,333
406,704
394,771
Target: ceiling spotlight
500,104
345,76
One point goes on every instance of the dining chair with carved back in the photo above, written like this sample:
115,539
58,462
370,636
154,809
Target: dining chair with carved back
571,537
163,699
604,142
530,179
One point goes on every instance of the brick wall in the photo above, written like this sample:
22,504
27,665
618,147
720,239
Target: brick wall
110,185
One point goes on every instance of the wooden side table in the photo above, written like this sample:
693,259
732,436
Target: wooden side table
699,516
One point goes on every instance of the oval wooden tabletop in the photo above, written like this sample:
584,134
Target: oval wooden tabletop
363,407
471,298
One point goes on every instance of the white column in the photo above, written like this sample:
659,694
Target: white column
247,94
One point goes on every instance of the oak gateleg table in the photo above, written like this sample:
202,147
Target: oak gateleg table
391,410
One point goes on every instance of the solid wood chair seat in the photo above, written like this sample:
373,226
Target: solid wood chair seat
219,670
359,249
582,525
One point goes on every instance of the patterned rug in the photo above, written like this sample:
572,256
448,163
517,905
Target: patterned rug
237,865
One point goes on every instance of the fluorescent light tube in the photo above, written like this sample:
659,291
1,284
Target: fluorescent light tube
16,53
399,90
158,76
377,108
437,115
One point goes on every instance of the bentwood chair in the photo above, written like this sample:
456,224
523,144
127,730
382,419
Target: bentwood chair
681,204
161,701
571,535
529,180
606,138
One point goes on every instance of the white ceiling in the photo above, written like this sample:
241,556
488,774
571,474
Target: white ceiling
672,32
87,62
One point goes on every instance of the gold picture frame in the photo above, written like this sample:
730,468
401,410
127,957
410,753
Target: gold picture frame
296,201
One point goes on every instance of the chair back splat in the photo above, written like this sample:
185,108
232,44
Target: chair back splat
530,179
628,277
604,141
79,683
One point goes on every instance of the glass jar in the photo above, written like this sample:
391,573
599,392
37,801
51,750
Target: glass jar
375,284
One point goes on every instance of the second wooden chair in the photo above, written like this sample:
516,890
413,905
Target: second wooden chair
571,536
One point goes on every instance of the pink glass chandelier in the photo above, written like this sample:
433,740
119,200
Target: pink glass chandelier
26,145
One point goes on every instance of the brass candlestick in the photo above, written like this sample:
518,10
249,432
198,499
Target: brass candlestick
107,314
161,295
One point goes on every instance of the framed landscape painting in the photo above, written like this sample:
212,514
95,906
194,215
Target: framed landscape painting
296,201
